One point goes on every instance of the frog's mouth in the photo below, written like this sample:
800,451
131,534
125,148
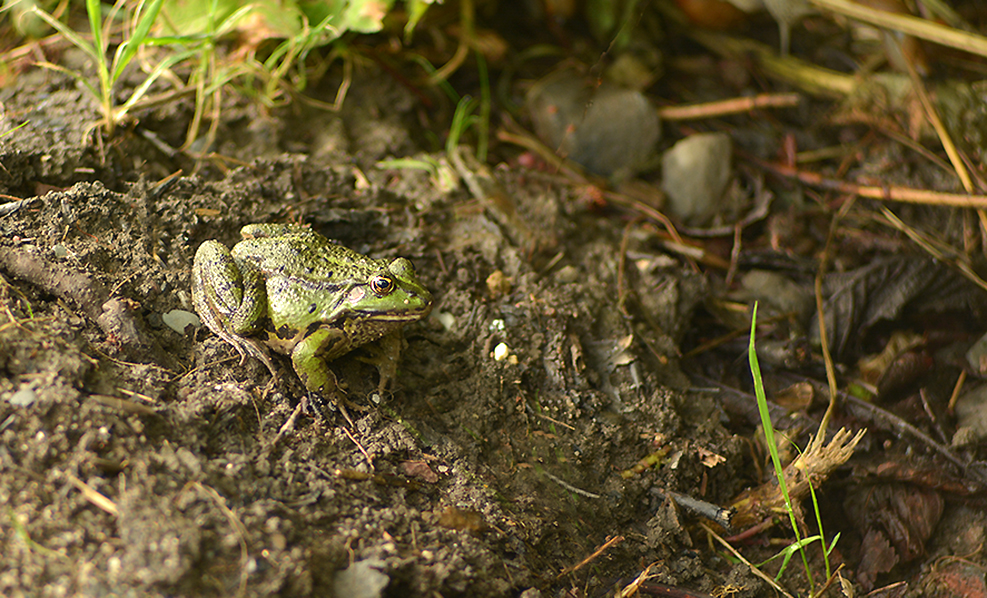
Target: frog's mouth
391,316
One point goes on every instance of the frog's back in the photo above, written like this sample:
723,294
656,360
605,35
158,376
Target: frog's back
308,278
312,258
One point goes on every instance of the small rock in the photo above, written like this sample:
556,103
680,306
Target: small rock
567,274
499,284
778,292
362,579
23,397
501,352
976,356
179,319
971,417
695,172
610,130
445,318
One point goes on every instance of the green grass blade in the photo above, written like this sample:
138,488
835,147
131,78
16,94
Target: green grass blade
173,40
822,535
141,89
2,135
462,120
832,545
416,10
410,164
230,22
790,551
444,85
95,12
769,438
74,38
126,50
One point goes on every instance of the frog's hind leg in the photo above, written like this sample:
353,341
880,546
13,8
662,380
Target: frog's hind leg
229,299
231,293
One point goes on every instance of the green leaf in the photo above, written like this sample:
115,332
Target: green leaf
196,18
95,10
409,163
416,10
366,16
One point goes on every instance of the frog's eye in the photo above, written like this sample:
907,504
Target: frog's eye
381,285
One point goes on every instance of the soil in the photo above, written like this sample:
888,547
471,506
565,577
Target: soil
475,477
137,460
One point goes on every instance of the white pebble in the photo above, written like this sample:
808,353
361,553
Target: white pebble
500,352
178,319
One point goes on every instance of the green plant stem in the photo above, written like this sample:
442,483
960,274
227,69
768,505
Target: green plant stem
769,438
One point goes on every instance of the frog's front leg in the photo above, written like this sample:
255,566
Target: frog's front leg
230,298
385,354
309,361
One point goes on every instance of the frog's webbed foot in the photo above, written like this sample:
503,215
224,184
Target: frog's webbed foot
323,404
256,350
331,398
246,346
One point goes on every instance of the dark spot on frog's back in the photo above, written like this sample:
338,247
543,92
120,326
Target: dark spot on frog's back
311,271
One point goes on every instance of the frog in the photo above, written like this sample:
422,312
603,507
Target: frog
286,288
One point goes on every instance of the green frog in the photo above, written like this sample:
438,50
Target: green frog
287,288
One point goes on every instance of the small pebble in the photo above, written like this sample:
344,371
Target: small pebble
971,417
499,284
610,130
695,173
362,579
179,319
445,318
567,274
976,356
23,397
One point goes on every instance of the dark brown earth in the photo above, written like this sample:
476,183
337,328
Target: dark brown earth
209,499
475,477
